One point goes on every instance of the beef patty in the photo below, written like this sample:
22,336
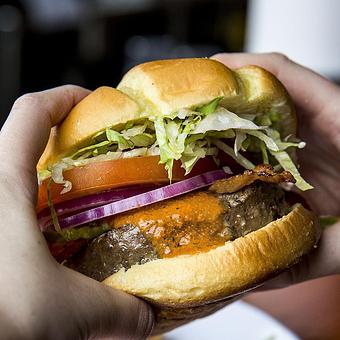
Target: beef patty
194,222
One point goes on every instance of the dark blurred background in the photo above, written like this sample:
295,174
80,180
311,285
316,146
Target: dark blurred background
45,43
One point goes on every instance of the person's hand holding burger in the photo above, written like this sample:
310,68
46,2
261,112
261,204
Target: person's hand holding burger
40,299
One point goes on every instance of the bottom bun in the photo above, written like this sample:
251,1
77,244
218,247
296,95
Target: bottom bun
187,287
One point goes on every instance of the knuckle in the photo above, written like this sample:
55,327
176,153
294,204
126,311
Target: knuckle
217,56
69,87
69,90
280,57
28,99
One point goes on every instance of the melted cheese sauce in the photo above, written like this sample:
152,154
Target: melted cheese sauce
186,225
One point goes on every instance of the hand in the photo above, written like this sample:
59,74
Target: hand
318,108
40,299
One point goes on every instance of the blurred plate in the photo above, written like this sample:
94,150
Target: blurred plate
238,321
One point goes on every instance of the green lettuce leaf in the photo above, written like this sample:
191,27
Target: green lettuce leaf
239,139
54,215
275,135
167,155
116,137
230,151
222,120
210,107
143,139
42,175
133,130
86,233
81,151
172,136
194,151
268,141
286,162
326,221
264,152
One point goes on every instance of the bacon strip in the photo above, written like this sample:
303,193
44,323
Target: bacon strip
262,172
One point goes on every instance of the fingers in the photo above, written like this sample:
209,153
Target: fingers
270,61
26,131
107,313
308,89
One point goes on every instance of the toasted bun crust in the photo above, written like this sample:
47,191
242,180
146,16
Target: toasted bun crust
161,88
104,107
166,86
178,285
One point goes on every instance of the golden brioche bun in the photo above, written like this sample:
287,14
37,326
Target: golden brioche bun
190,286
161,88
104,107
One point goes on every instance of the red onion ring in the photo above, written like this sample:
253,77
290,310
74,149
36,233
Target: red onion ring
90,201
140,200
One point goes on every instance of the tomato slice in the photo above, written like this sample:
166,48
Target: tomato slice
105,175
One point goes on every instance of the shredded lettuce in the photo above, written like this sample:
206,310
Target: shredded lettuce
189,135
183,138
131,131
42,175
286,162
230,151
51,207
221,134
81,151
143,139
222,120
194,151
114,141
116,137
57,174
264,152
268,141
167,155
275,135
172,135
139,152
239,139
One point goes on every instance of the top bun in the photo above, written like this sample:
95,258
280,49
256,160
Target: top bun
105,107
166,86
162,88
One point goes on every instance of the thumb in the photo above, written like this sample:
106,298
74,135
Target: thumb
103,312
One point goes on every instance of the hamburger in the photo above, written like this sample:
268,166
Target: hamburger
177,186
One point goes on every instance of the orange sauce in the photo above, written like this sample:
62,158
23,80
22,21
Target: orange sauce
189,224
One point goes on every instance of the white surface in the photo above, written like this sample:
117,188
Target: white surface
308,31
238,321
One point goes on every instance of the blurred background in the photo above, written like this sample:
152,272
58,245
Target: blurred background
45,43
